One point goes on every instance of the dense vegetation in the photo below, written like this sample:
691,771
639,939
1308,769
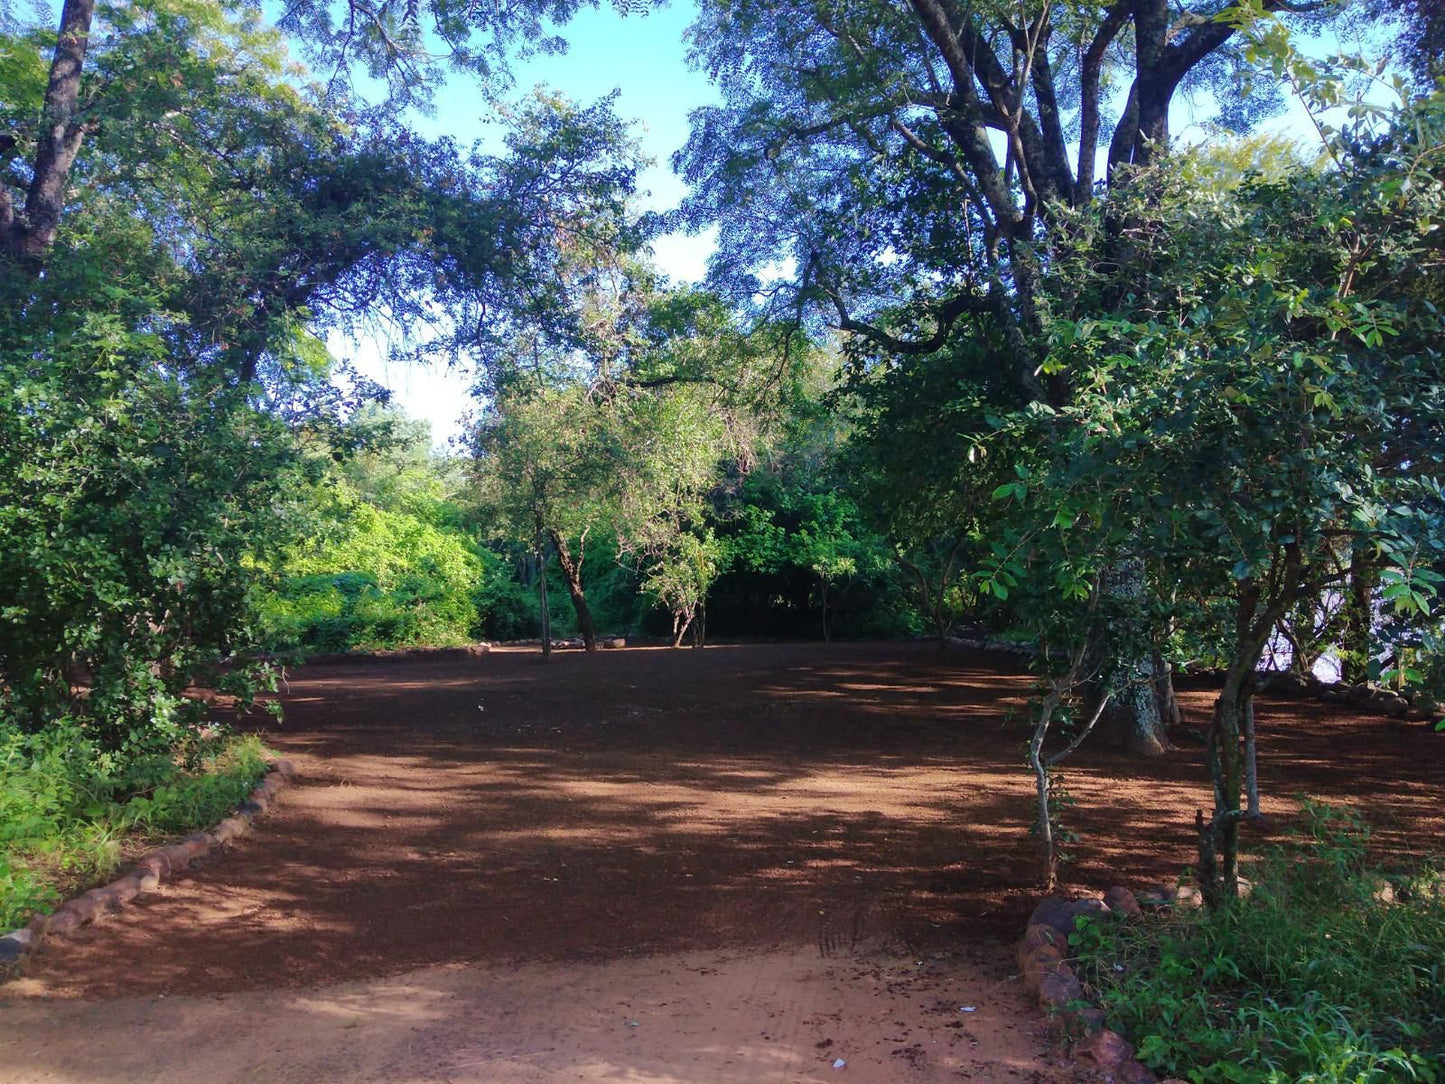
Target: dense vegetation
1328,971
979,347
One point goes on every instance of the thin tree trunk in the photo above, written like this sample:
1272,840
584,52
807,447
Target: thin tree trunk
823,591
572,574
1168,700
680,623
1219,837
1251,763
542,603
1359,620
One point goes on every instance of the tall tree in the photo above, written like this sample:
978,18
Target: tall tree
909,163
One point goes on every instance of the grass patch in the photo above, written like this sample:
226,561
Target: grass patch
1312,978
70,817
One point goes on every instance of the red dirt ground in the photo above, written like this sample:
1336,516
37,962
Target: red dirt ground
829,840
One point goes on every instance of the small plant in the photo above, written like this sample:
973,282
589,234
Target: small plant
68,811
1311,978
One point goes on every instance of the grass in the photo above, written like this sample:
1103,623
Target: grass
69,817
1312,979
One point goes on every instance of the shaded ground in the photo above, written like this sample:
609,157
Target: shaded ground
831,836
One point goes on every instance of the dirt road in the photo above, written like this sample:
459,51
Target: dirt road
743,864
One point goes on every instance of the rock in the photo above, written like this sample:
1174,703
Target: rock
1357,696
157,861
1061,915
222,834
62,922
126,889
616,641
1382,891
1084,1020
1156,896
1284,684
1106,1049
1058,988
1188,896
1122,902
180,855
1394,706
1044,960
106,899
1135,1072
230,828
84,909
1037,937
284,768
147,878
13,946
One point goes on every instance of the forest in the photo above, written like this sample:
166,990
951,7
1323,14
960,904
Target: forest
1026,325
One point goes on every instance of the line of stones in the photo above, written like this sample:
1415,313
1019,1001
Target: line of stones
1043,965
147,874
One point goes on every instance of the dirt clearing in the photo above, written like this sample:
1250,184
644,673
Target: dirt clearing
766,858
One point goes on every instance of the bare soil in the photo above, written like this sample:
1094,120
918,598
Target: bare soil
738,864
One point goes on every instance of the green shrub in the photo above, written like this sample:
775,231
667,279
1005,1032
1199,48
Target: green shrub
68,807
381,578
1310,978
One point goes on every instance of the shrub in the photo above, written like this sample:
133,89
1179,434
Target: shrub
1311,978
68,807
379,579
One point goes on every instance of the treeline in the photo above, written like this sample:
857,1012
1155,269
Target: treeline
971,349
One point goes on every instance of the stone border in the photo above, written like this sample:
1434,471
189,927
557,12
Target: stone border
397,654
99,903
1043,965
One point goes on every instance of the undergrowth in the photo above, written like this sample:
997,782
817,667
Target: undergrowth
69,814
1312,978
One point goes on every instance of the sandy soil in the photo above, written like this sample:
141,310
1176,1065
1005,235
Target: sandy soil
733,865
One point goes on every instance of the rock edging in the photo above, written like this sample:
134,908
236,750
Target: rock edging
398,654
147,874
1042,957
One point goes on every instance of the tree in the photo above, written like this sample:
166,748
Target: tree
543,465
910,162
1271,392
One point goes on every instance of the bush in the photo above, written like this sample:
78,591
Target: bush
69,809
380,579
1310,978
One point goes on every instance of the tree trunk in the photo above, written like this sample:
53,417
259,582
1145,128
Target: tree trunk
681,621
1219,837
545,610
1359,618
1132,718
572,574
1251,763
1169,711
823,592
29,235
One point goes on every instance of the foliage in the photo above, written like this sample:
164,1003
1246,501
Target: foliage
1286,323
1311,978
67,806
129,500
804,563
